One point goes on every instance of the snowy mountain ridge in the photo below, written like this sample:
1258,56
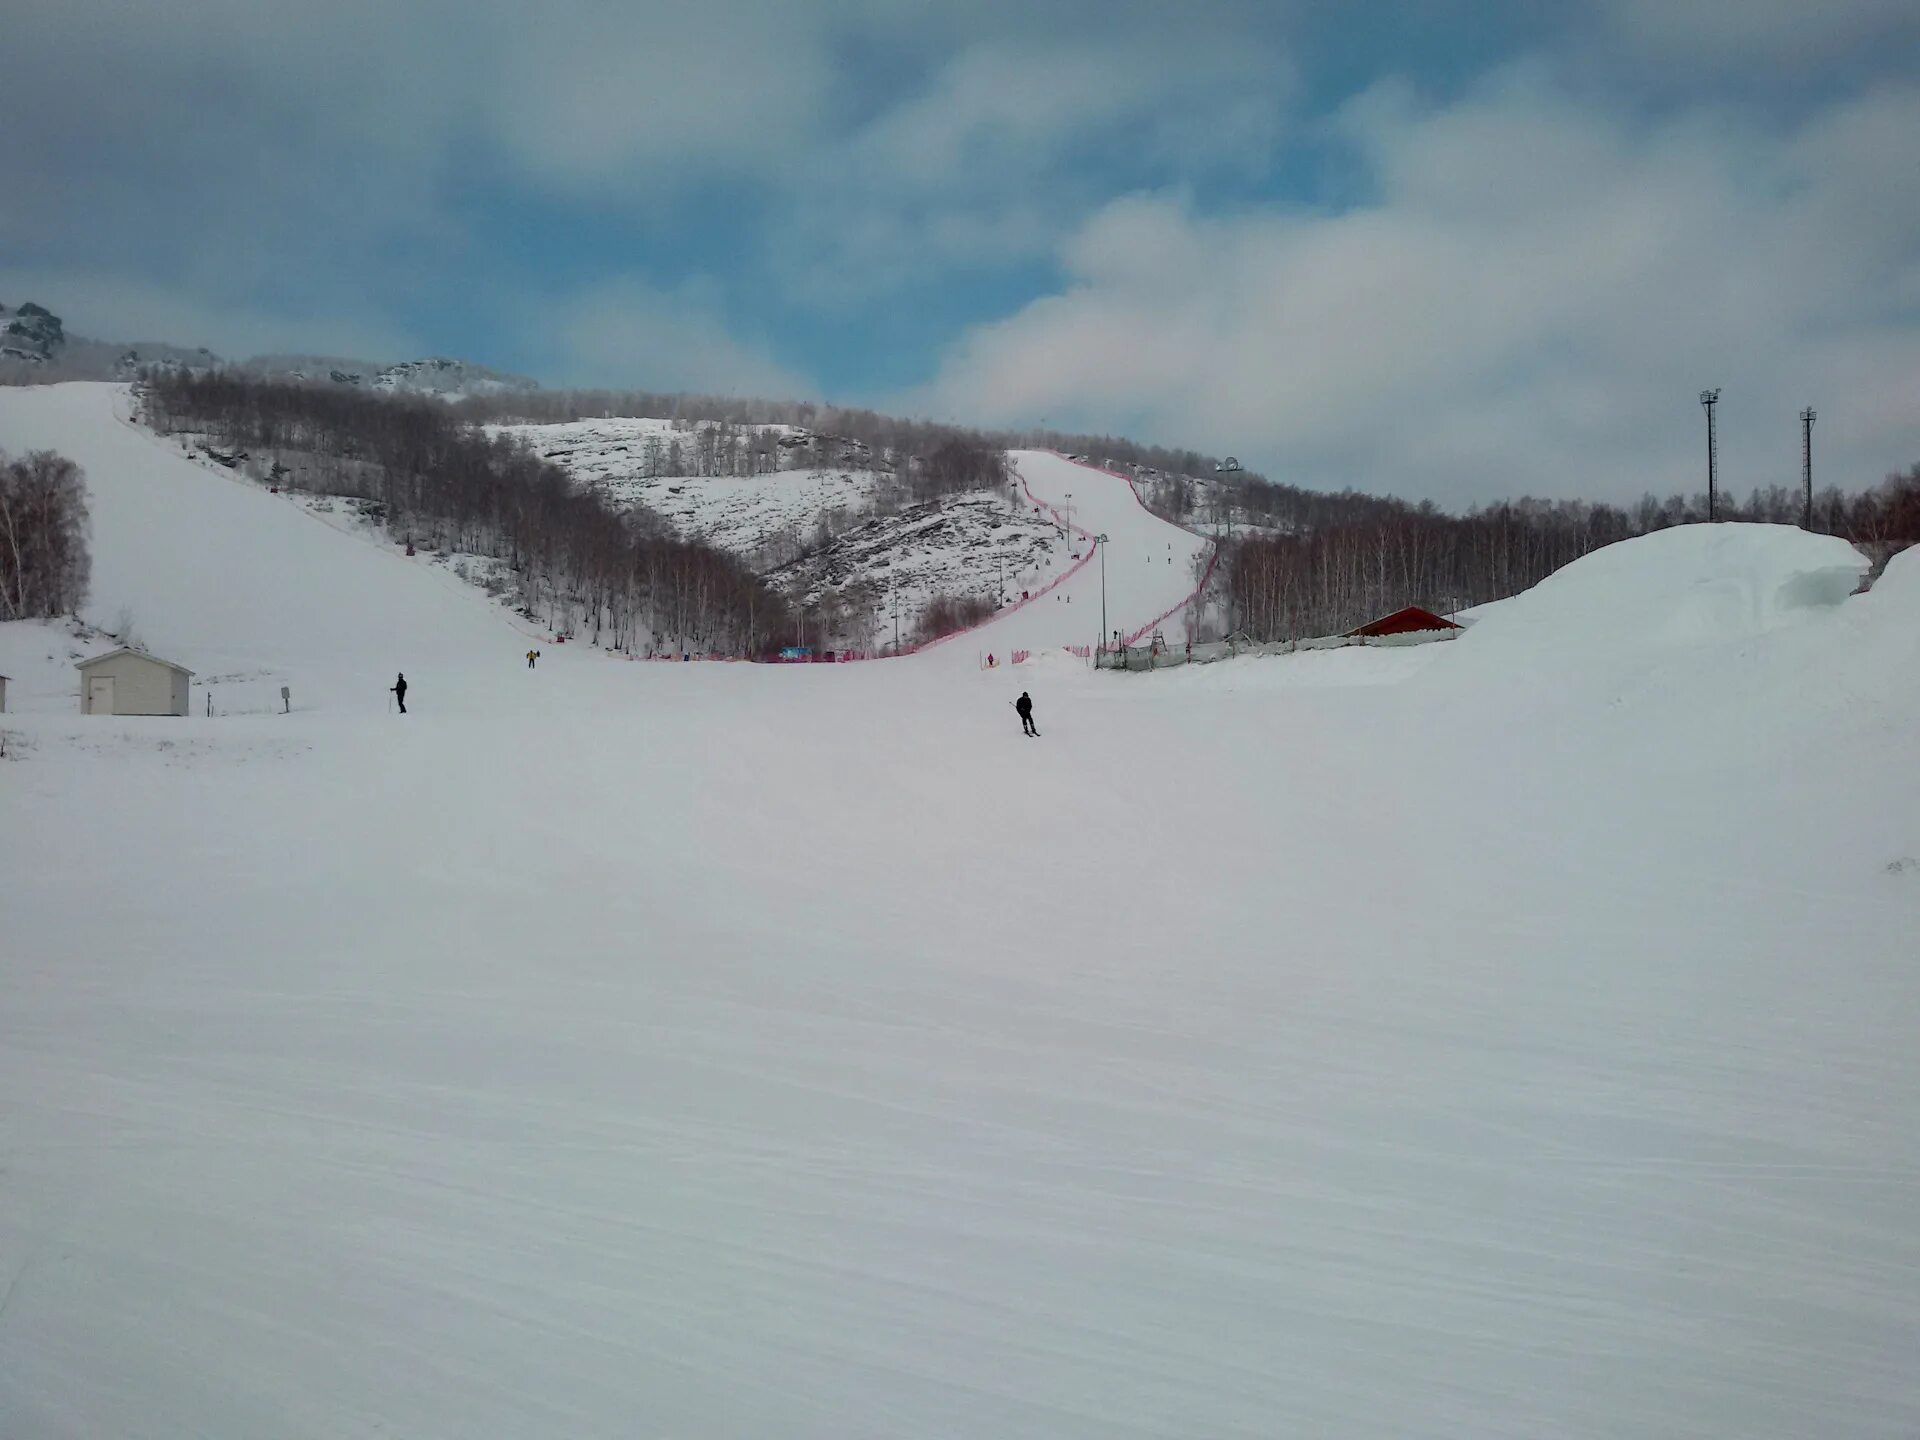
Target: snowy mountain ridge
34,335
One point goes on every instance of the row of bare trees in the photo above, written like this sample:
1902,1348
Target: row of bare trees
1328,578
880,436
577,564
948,614
44,560
957,465
711,450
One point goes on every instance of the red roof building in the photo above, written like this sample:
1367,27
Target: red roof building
1403,622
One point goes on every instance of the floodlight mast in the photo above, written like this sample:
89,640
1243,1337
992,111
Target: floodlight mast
1709,399
1101,541
1806,461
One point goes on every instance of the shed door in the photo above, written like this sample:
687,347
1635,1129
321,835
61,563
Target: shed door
100,695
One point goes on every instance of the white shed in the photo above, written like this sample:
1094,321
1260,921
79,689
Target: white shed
132,682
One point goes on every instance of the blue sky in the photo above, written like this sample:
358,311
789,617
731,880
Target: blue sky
1448,250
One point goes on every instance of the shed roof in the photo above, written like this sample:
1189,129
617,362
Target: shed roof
129,650
1403,622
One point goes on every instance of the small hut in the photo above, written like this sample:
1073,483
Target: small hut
132,682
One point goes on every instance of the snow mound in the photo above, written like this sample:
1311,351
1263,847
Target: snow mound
1691,586
1897,591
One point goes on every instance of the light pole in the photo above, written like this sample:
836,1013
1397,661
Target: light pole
1806,461
1101,541
1708,399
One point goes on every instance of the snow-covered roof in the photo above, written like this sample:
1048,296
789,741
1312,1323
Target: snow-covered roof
129,650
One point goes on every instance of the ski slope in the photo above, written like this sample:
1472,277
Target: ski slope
1508,1038
245,587
1149,569
1150,563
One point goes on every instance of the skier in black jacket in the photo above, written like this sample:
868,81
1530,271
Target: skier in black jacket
1025,706
400,693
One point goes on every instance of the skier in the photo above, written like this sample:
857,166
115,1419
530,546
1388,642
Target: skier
400,693
1025,706
532,655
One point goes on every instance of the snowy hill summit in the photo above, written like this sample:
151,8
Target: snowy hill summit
33,336
37,348
440,376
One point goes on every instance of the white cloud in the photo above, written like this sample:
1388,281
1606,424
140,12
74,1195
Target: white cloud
574,92
359,154
1530,301
631,335
1740,31
593,95
1007,147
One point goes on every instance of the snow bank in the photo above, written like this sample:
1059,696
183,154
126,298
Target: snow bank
1897,591
1694,585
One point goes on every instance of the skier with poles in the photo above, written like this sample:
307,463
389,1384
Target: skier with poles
1025,706
400,693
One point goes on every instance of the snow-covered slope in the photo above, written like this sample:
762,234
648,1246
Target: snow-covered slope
826,532
971,544
1361,1044
246,588
1150,567
633,460
1671,590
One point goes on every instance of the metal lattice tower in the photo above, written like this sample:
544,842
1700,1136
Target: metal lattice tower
1806,461
1710,398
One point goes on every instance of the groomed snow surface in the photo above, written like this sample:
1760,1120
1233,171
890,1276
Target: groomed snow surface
1510,1038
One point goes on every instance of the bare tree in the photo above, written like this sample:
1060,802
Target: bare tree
44,561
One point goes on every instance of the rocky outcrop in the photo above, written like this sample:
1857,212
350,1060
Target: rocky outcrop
439,375
32,333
